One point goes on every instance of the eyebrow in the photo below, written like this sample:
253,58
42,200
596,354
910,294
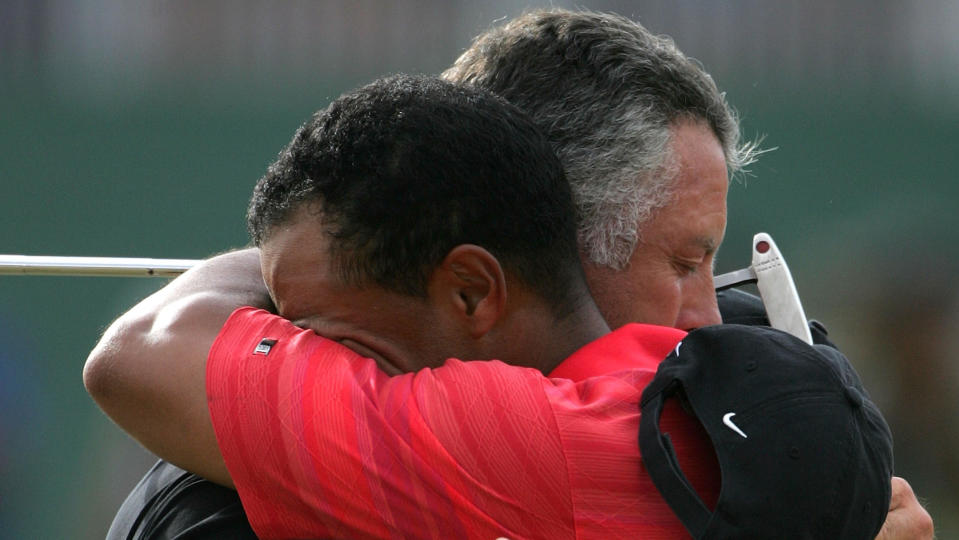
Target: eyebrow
708,243
712,248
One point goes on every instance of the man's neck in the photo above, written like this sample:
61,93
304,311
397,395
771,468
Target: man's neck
537,338
573,333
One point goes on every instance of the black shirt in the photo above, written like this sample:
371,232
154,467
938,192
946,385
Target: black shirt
172,503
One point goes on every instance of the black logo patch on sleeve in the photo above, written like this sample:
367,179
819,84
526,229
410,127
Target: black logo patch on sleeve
264,346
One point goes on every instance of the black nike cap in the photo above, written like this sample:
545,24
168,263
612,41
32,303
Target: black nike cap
802,451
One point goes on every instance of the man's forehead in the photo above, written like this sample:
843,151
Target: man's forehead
295,259
688,224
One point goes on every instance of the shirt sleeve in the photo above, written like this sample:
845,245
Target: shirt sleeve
321,443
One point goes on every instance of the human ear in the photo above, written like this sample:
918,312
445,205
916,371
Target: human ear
470,287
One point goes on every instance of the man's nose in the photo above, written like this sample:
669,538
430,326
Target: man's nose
699,306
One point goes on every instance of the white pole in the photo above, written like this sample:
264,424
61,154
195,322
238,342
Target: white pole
93,266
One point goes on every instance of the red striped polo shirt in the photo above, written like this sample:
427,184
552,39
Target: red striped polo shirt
322,444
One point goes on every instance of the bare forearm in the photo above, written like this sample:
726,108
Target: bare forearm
148,370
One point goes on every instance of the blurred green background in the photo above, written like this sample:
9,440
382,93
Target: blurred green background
139,130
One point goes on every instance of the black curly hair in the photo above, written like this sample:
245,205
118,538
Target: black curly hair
408,167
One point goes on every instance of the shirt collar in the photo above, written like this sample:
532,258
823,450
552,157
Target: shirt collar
629,347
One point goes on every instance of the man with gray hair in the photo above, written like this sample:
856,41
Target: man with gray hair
648,143
639,128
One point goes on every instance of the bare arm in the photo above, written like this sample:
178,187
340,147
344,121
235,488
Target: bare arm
148,371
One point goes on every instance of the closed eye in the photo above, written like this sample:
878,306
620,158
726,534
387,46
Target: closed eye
685,268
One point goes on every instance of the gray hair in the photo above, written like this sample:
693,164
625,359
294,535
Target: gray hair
607,93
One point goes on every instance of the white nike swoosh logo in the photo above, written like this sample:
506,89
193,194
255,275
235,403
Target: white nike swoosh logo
677,347
728,420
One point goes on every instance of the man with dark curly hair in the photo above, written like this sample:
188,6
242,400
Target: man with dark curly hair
411,223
